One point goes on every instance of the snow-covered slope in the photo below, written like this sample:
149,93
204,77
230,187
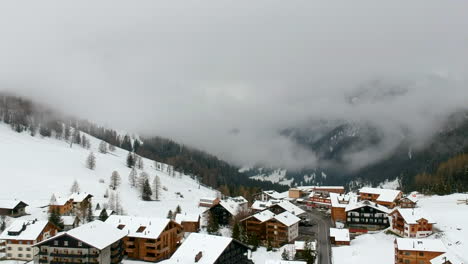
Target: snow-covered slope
32,168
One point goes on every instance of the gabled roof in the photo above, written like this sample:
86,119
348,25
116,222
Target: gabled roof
97,213
429,245
277,195
79,197
287,218
366,203
96,234
413,215
412,197
141,227
263,216
385,195
239,199
26,229
342,200
209,247
60,201
11,204
340,234
231,206
442,259
288,206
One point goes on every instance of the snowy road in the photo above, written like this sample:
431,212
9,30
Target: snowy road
322,235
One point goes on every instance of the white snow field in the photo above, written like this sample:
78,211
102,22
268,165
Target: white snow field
451,224
32,168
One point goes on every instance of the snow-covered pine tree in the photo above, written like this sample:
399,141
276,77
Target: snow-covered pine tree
178,210
130,160
111,148
115,180
106,194
156,187
91,161
111,201
103,147
118,204
146,191
89,215
141,180
139,162
133,177
103,216
75,188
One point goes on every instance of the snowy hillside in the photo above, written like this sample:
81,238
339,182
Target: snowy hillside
33,168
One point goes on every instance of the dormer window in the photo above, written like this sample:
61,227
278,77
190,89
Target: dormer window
141,229
120,227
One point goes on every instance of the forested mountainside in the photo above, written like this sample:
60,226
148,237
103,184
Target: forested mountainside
25,115
417,168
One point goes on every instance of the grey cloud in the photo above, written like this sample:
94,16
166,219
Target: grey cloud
193,71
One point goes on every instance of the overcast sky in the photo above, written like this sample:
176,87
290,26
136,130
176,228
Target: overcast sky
226,76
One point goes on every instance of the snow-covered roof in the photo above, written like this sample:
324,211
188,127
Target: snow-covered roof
365,203
413,215
340,234
412,197
138,226
288,206
264,215
430,245
277,195
10,204
287,218
328,187
187,218
209,247
68,220
24,230
231,206
442,259
342,200
208,199
260,205
385,195
239,199
60,201
301,245
79,197
96,234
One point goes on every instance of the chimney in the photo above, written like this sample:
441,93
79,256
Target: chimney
198,256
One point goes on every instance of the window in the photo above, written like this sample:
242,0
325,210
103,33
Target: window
421,254
55,243
65,243
28,249
80,244
9,248
407,261
20,249
20,255
9,255
28,255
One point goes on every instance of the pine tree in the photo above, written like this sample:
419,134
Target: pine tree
103,147
156,187
132,177
75,188
3,223
141,180
76,136
91,161
84,141
169,214
284,255
118,205
213,224
111,202
236,231
146,191
98,207
106,194
115,180
55,218
139,163
90,216
103,215
127,143
66,133
178,210
130,160
136,145
111,148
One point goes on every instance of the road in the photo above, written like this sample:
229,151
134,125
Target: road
320,231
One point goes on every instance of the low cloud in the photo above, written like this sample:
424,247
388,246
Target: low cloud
227,76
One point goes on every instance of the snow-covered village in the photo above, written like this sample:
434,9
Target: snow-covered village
233,132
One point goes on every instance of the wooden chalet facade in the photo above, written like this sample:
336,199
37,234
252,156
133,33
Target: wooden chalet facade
94,242
63,206
81,200
340,237
208,202
256,224
367,215
148,239
21,235
12,208
408,202
411,222
339,203
189,222
417,251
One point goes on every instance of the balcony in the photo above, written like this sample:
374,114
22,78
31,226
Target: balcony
43,261
67,255
43,253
